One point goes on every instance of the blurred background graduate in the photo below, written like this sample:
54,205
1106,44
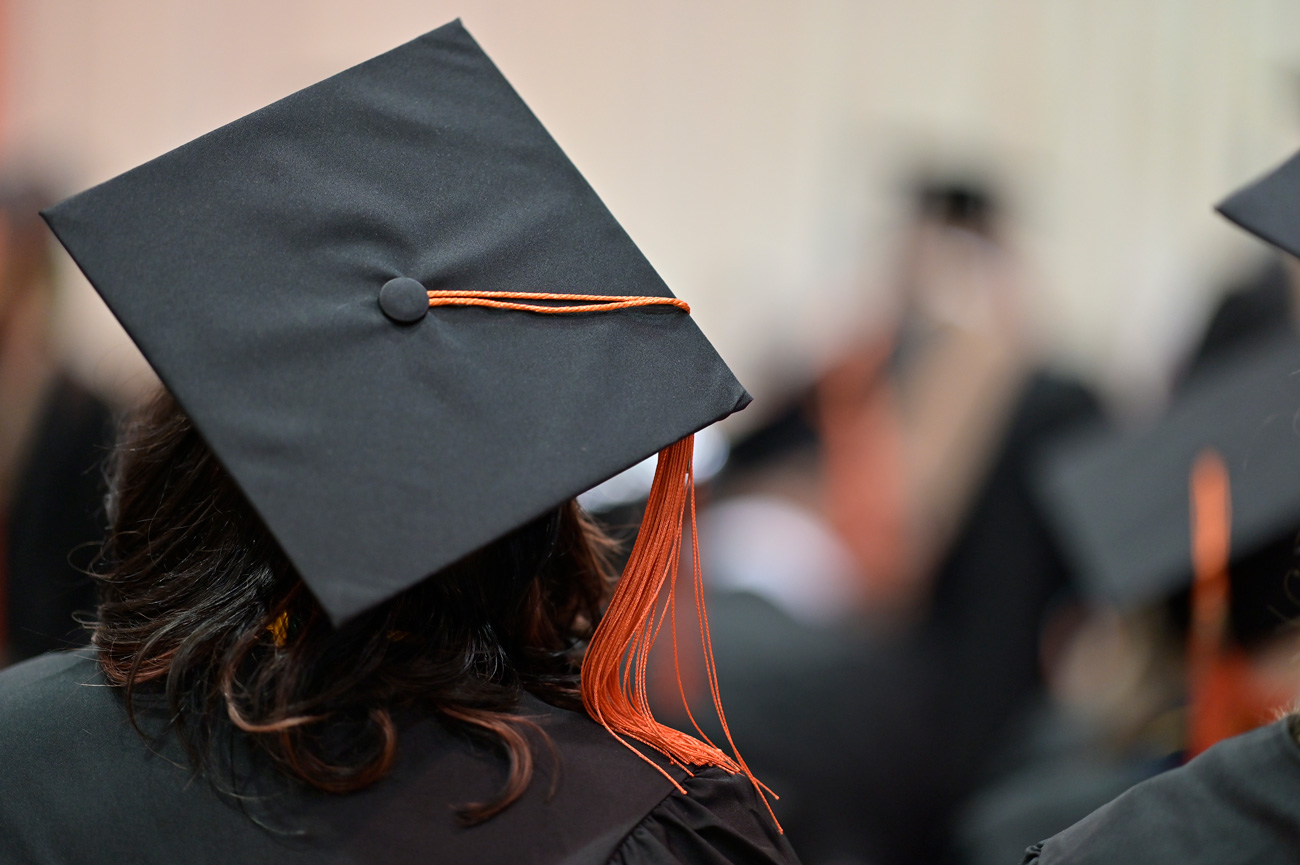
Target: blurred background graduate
1226,647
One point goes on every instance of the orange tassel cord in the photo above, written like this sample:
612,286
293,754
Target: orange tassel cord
576,302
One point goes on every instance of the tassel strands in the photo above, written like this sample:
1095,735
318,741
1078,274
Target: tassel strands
614,688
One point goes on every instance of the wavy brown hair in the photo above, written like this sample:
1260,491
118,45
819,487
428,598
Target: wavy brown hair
202,610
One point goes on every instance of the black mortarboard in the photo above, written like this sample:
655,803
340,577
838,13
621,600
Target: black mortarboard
380,440
1270,207
1120,499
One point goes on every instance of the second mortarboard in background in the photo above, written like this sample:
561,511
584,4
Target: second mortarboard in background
274,272
1120,504
1269,208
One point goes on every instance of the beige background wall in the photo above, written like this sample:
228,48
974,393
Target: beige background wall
752,148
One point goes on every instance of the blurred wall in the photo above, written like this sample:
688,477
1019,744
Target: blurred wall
754,149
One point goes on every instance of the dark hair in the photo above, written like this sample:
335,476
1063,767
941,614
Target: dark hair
200,608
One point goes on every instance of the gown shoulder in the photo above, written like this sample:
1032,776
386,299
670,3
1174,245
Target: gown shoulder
80,784
1237,802
720,819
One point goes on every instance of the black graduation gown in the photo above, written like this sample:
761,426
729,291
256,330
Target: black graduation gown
1238,802
79,785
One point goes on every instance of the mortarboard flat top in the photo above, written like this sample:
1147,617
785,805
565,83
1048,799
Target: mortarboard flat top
1120,500
247,265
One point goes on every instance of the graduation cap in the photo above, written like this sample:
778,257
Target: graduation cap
1121,501
1270,207
406,325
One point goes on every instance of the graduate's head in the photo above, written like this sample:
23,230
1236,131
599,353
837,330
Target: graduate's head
201,608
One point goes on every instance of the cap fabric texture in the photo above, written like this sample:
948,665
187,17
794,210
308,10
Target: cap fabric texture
271,271
1120,500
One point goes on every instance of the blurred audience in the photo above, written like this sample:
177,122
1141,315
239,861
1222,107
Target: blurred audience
876,549
53,435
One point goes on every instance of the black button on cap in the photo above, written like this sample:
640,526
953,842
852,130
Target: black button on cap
404,300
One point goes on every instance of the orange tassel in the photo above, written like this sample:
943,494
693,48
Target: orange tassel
1225,696
614,688
1209,691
